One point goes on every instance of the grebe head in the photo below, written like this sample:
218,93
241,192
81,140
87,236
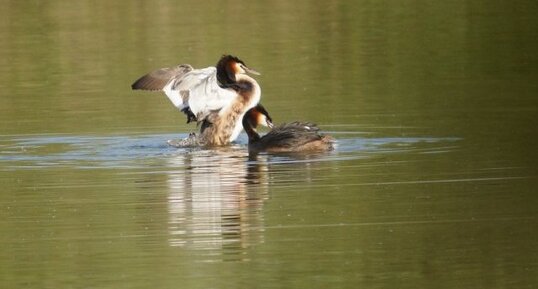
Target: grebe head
228,67
254,117
258,115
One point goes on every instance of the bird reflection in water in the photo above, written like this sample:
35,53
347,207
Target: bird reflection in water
215,201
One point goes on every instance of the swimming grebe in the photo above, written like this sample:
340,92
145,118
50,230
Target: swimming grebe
219,95
285,138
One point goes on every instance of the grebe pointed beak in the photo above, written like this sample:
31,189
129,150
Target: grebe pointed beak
250,70
269,123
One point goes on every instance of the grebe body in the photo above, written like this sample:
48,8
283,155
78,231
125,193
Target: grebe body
290,137
215,96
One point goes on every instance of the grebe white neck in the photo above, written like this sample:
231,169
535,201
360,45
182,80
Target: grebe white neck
246,99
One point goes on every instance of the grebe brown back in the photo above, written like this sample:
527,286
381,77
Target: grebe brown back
223,93
285,138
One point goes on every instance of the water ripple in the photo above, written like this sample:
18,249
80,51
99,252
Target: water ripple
135,151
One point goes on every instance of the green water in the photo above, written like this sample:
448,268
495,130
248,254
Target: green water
432,185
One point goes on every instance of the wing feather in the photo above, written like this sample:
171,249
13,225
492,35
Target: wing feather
158,79
199,90
196,89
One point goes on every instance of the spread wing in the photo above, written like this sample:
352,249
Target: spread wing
158,79
191,89
199,91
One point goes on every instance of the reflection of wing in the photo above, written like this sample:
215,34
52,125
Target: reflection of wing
157,80
208,201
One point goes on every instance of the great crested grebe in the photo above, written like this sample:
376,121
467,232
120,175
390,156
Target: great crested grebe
285,138
217,97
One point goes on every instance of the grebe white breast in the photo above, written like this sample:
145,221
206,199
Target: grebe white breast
215,96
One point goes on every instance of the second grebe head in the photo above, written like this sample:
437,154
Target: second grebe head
254,117
258,115
228,67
